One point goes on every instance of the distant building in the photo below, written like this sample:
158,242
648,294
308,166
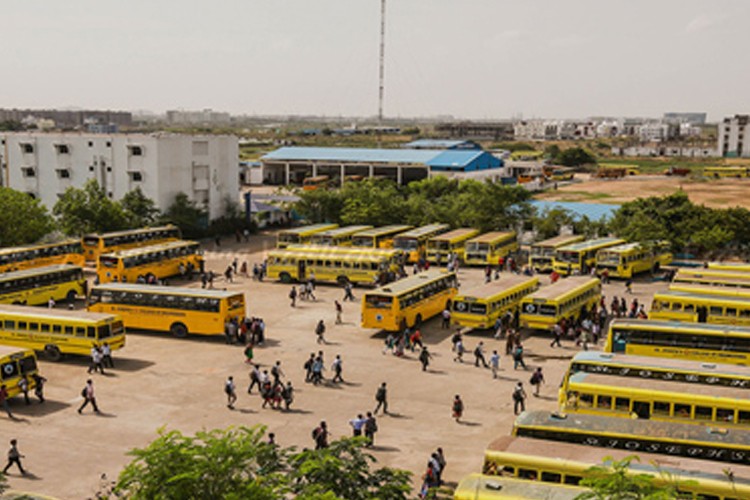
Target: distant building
667,151
69,119
732,140
498,131
204,167
204,117
690,118
441,144
658,132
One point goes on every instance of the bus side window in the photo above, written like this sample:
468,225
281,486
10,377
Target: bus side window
622,404
528,474
572,480
9,324
551,477
681,410
44,327
661,408
604,402
586,400
743,417
56,328
724,415
91,332
80,331
703,413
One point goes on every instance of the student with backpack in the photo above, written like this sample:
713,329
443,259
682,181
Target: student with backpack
320,435
519,398
381,396
537,379
371,427
229,389
518,357
458,408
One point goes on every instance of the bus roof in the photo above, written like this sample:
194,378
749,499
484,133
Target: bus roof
313,228
42,245
43,312
741,273
686,389
650,362
415,280
703,289
6,350
342,231
358,256
132,231
385,230
680,326
482,487
559,241
423,231
561,287
151,248
495,287
686,468
36,271
591,244
578,422
492,236
168,290
703,298
388,252
463,232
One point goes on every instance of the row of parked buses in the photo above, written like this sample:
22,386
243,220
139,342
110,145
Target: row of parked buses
671,389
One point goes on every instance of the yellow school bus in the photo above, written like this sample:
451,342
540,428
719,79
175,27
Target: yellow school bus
36,286
542,252
379,237
409,301
701,289
713,277
580,257
651,399
531,460
96,244
730,266
414,242
675,339
318,182
48,254
300,235
715,444
341,236
161,261
57,332
366,266
629,259
441,246
180,311
481,487
718,172
700,308
15,364
490,249
565,299
480,306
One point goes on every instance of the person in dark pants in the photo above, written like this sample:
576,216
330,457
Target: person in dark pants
371,427
519,399
424,358
309,367
337,369
381,396
479,355
89,397
14,457
320,435
39,386
4,400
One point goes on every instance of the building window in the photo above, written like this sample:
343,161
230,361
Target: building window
136,176
33,195
109,169
91,168
109,144
91,144
110,194
28,171
27,147
63,173
62,149
135,150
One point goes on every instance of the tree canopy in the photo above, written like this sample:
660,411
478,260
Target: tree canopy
89,210
237,463
613,481
23,219
575,157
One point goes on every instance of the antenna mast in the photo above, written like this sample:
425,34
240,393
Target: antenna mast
382,69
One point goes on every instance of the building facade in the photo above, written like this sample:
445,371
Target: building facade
204,167
732,141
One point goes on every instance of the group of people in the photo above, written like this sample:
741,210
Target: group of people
433,476
101,357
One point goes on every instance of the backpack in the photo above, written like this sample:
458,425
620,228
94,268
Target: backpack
371,425
534,379
84,392
518,394
315,433
380,395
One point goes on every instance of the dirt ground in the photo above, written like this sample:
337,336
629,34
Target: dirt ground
721,193
161,381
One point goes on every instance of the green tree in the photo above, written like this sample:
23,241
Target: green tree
612,481
3,483
377,202
575,157
186,215
89,209
549,223
320,205
139,209
220,464
23,219
552,152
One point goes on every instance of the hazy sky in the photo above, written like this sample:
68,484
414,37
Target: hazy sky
467,58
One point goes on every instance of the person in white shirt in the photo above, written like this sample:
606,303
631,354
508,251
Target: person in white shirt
107,356
357,425
229,389
495,363
89,397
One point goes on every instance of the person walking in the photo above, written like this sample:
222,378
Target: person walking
320,435
277,373
557,332
518,357
249,354
446,315
308,366
459,351
320,330
358,425
4,400
337,368
519,398
231,392
317,369
89,397
339,311
371,427
39,386
479,355
23,386
424,358
14,457
537,379
96,360
348,292
254,379
416,340
288,395
381,396
495,363
293,296
107,356
458,408
440,456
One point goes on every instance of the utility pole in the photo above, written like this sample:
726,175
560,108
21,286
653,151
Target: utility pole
381,87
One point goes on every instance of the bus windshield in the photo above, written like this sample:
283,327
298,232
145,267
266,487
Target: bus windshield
405,244
571,257
609,258
548,310
379,301
362,241
108,261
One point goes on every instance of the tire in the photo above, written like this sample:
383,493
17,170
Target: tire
418,320
52,352
342,280
71,296
285,277
179,330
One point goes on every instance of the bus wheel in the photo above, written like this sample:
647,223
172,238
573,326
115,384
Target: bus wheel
656,268
285,277
52,352
71,296
418,321
342,280
179,330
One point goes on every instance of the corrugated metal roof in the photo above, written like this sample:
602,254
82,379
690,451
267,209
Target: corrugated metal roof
455,158
435,144
418,156
594,211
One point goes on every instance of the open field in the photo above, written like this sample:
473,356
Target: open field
161,381
720,193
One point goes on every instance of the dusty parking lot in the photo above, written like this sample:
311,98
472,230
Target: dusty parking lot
161,381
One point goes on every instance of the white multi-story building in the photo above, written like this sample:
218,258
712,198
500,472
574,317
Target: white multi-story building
732,140
657,132
204,167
